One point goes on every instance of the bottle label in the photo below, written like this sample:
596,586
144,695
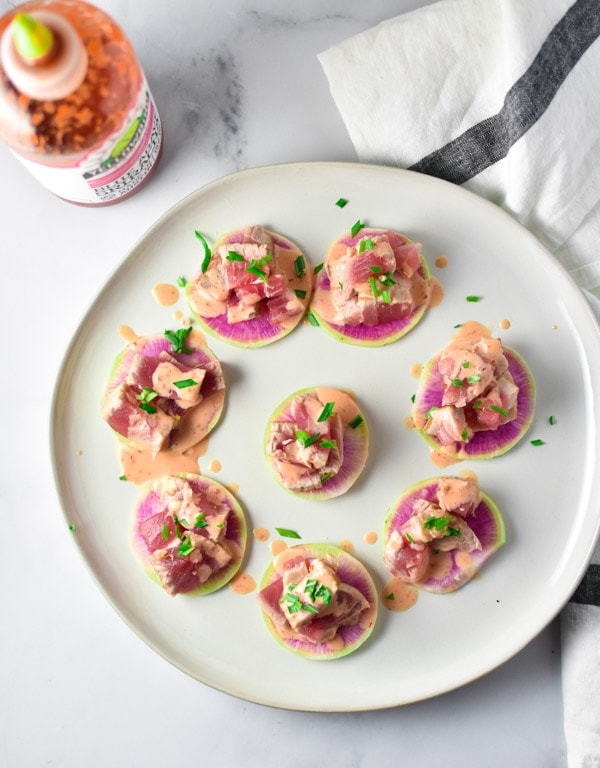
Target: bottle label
114,169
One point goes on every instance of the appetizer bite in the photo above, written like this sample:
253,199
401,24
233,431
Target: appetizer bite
252,289
476,398
189,533
440,532
373,288
317,442
164,392
318,601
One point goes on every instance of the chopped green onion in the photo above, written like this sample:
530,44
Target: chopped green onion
464,435
200,521
178,529
551,420
72,527
255,269
457,382
145,398
453,532
325,477
177,339
181,281
431,410
185,383
472,379
366,245
474,298
165,533
385,295
437,523
326,412
205,246
233,256
319,267
325,443
305,439
466,364
300,266
122,477
288,533
478,404
300,294
356,421
312,319
342,202
499,410
356,227
409,538
374,286
389,596
186,547
375,269
412,398
537,442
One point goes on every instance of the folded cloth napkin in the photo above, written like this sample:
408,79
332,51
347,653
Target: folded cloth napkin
500,96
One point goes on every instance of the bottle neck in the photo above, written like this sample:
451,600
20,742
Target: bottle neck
55,74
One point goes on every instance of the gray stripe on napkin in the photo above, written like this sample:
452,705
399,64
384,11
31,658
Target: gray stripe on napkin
490,140
588,591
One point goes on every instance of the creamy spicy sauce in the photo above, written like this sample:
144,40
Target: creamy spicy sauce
416,370
436,293
166,294
260,533
277,547
242,583
346,545
138,466
441,262
371,537
504,324
398,595
214,466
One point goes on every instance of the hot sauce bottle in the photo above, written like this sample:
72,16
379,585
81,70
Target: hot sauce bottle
75,107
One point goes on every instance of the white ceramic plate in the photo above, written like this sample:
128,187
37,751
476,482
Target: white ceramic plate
548,494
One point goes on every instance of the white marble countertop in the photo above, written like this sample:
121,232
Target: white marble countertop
238,85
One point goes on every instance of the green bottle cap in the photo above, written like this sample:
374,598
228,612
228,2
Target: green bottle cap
32,39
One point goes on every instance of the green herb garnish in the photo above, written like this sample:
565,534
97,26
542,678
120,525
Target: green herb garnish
177,339
288,533
165,533
325,443
326,412
181,281
537,442
325,477
436,523
145,397
342,202
300,266
319,267
233,256
474,378
206,247
305,439
501,411
200,521
474,298
186,547
551,420
356,421
299,293
356,227
312,319
185,383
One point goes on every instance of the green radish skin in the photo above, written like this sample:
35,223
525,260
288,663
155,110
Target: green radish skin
485,444
348,638
361,335
449,571
355,443
149,504
257,331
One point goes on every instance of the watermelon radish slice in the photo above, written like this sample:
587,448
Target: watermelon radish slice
332,630
317,443
254,289
386,316
482,443
445,571
131,407
189,533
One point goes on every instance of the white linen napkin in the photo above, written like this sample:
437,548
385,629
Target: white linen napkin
503,97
